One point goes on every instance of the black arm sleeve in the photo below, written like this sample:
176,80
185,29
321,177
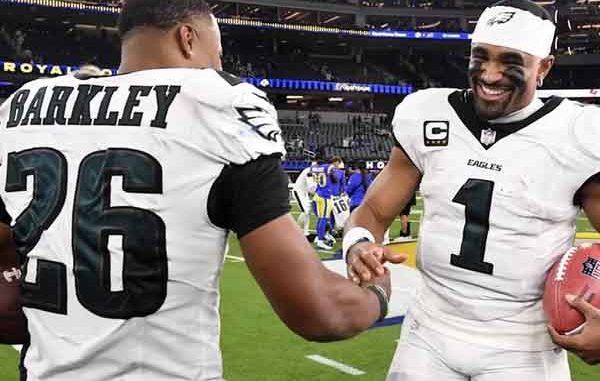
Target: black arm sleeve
245,197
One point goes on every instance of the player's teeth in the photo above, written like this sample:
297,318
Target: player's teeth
491,91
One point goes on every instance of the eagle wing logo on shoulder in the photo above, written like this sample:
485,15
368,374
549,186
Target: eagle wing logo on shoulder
260,120
501,18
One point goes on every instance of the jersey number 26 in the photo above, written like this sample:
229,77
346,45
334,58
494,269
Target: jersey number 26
93,222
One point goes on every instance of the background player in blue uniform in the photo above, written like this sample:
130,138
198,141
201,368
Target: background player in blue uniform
337,187
324,175
358,183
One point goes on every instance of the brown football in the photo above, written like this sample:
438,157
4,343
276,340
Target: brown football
576,273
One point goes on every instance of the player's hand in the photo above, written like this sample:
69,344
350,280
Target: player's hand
586,344
365,261
384,280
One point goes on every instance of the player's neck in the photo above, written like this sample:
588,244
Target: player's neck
521,114
140,53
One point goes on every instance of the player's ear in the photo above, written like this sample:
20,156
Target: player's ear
184,36
545,67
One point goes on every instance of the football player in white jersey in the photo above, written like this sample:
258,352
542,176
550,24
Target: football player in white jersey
123,190
304,189
503,176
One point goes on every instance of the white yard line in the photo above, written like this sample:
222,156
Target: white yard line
17,347
234,258
337,365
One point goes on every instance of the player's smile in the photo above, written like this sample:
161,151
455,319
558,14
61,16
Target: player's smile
493,100
493,93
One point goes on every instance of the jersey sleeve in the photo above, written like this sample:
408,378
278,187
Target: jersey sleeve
242,120
247,196
408,129
586,133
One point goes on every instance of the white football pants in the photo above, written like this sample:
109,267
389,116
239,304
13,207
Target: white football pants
304,204
425,355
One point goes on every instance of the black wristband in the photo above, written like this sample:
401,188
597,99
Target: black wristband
382,297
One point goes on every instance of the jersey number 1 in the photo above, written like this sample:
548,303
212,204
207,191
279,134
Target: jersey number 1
476,196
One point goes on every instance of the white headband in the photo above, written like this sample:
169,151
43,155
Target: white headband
515,28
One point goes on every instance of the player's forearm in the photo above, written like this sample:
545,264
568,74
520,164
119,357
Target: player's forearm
329,311
345,310
366,216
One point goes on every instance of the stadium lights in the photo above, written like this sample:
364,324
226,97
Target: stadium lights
295,97
331,19
336,99
292,16
237,21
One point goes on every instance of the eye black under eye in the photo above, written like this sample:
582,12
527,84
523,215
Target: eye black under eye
513,64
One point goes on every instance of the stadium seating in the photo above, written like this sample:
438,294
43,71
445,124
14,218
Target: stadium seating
360,139
271,53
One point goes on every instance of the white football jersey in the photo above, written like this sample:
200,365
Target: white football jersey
498,211
108,180
305,184
340,209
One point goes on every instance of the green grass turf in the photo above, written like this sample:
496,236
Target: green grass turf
258,347
9,360
269,351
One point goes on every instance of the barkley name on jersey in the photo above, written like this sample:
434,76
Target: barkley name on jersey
500,208
124,226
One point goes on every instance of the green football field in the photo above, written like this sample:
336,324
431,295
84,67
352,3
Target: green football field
257,347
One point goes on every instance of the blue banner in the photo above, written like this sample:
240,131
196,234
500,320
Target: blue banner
342,87
51,70
409,34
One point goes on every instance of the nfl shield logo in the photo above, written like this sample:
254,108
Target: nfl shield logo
591,268
488,137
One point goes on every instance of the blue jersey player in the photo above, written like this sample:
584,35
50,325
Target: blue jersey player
337,187
324,176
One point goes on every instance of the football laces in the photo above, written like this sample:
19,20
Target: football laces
564,263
